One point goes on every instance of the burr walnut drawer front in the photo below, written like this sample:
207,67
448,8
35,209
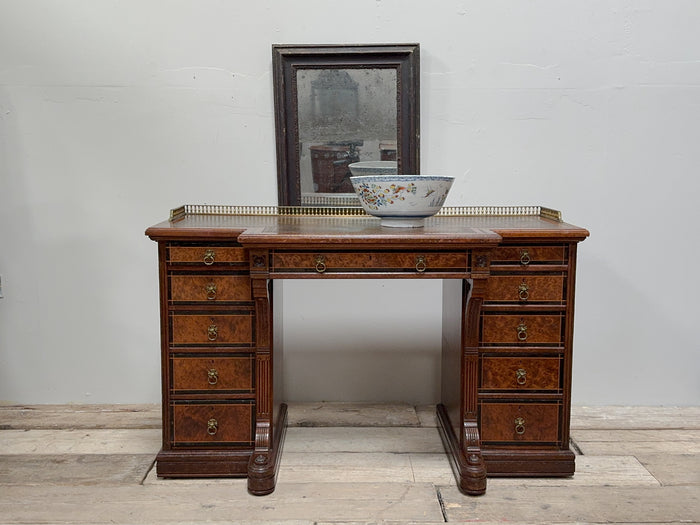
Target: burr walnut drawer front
207,255
211,329
525,288
535,422
514,373
424,262
213,374
230,423
529,255
210,288
521,329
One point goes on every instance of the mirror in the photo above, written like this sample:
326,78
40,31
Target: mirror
335,105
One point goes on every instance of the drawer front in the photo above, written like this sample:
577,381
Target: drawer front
207,255
525,288
514,422
521,329
424,262
512,373
527,255
213,374
214,423
210,288
205,329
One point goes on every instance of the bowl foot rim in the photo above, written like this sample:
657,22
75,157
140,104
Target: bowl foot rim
408,222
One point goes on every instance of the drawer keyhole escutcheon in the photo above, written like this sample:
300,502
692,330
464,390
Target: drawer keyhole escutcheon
209,256
522,331
519,426
211,291
320,263
524,258
212,426
523,291
212,332
521,376
421,265
213,376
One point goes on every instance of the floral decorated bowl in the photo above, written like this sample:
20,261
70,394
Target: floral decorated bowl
374,167
402,201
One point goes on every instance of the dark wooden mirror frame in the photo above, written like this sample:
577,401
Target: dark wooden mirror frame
287,59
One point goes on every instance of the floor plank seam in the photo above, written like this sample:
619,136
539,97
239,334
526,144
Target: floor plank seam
576,447
413,470
659,481
442,504
148,471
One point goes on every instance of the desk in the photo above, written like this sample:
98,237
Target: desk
508,299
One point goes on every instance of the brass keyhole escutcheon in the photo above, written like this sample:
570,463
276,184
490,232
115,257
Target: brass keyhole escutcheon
519,426
524,257
523,291
211,291
209,256
212,332
212,376
212,426
421,264
522,331
521,376
320,263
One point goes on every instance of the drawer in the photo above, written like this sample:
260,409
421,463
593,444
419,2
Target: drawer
536,422
211,329
521,329
423,262
230,423
513,373
209,288
525,288
529,255
213,373
207,255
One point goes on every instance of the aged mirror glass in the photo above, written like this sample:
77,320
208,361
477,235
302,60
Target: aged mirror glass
335,105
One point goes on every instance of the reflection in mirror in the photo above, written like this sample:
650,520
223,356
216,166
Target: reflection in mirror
345,116
340,104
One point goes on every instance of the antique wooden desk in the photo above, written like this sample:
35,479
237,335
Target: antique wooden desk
508,303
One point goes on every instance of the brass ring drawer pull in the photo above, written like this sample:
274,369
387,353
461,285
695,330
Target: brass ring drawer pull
212,376
522,331
211,291
519,426
209,256
320,263
521,376
212,426
421,265
212,332
524,258
523,291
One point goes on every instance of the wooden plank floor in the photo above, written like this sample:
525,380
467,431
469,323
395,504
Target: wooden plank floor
94,464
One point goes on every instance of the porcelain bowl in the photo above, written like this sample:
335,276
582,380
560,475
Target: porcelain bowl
402,201
374,167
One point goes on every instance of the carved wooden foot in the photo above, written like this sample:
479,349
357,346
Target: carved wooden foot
264,463
467,464
473,468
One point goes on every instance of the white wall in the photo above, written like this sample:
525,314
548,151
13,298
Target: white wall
112,112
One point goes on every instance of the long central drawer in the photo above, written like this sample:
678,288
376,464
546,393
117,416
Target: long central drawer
328,262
